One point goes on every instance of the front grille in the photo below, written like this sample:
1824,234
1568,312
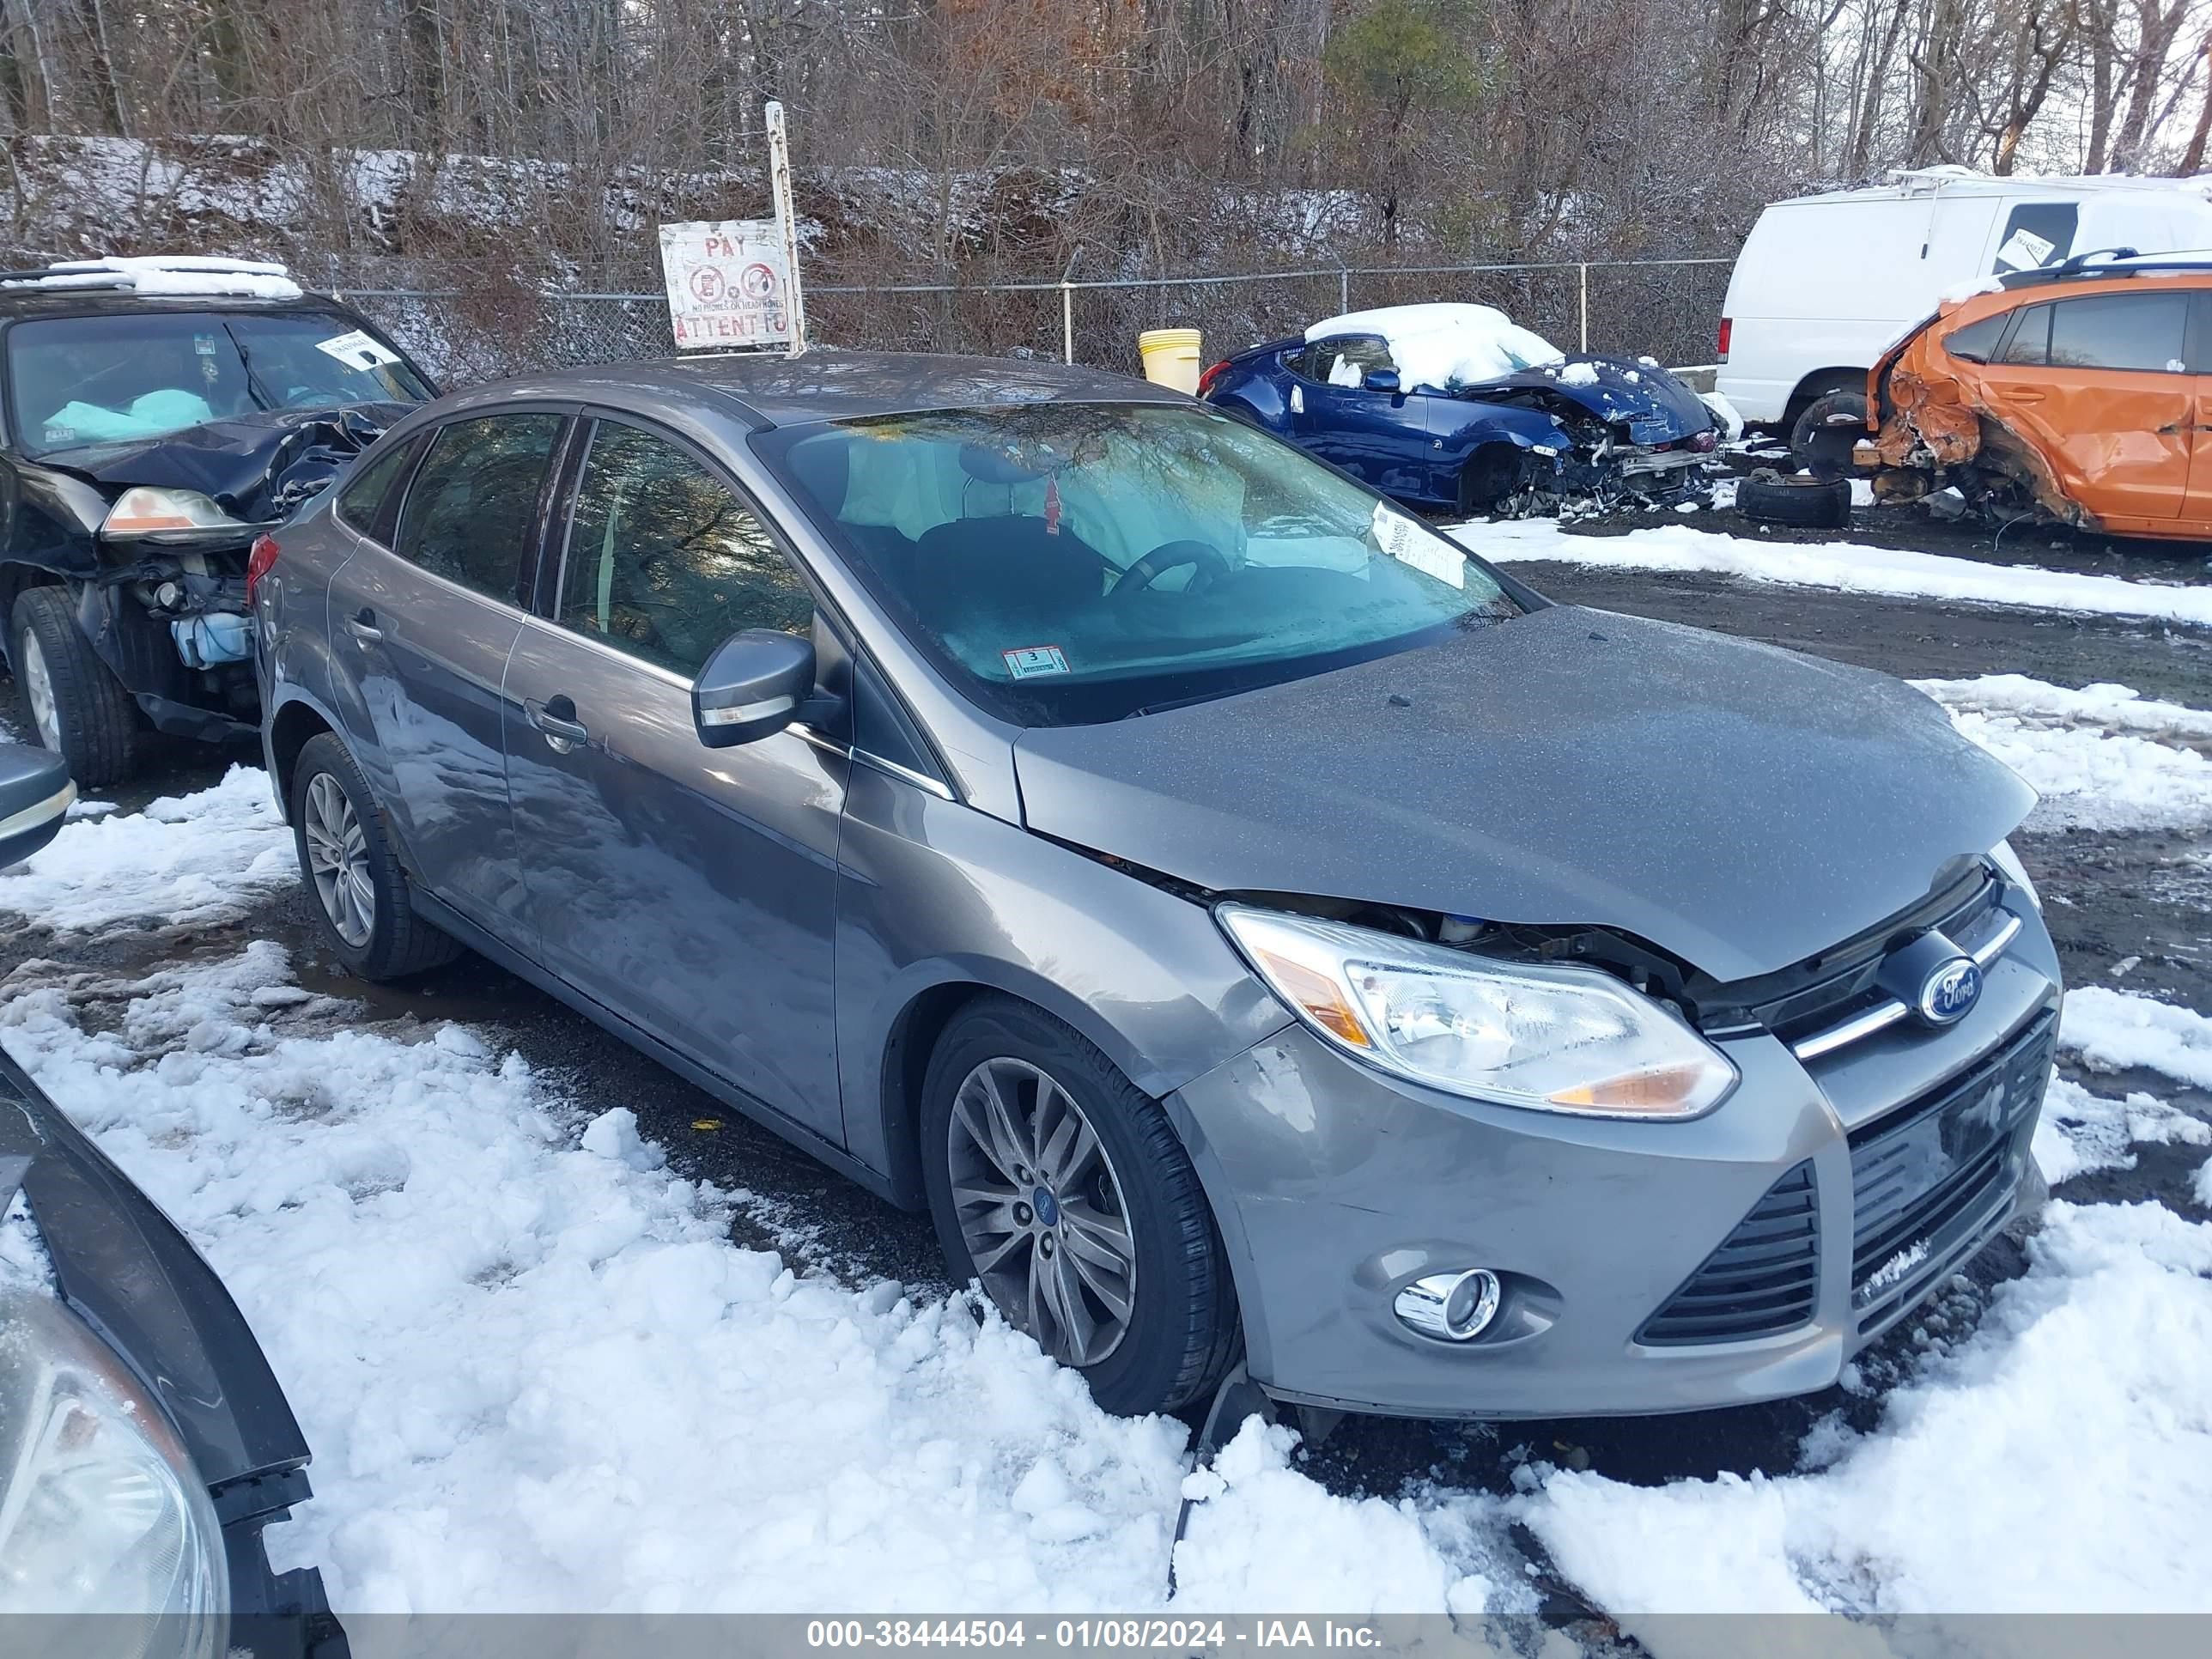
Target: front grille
1925,1177
1764,1277
1800,1013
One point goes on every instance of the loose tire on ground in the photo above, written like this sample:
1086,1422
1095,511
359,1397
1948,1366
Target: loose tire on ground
78,708
1182,1333
1822,439
342,844
1810,503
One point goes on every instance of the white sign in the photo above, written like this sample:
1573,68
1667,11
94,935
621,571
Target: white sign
357,351
729,284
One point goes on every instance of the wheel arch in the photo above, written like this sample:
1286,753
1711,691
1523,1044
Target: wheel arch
17,578
1811,388
294,723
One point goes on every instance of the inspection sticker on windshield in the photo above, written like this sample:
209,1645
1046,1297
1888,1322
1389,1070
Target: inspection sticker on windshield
1026,662
1407,541
358,350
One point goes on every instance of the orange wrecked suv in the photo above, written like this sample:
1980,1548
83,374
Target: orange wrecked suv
2080,393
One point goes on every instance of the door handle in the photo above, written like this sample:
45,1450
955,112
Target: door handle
362,626
556,719
2027,395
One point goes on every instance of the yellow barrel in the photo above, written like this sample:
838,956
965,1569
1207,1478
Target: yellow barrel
1171,357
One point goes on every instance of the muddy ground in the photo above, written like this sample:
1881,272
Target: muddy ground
2128,909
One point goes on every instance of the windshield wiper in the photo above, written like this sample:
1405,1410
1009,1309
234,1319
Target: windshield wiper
254,383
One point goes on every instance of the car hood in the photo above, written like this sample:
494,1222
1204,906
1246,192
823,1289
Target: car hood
1657,408
1739,806
258,468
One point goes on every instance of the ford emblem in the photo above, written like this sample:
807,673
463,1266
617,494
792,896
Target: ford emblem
1950,991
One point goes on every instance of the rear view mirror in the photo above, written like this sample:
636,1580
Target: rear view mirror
35,792
1381,379
755,683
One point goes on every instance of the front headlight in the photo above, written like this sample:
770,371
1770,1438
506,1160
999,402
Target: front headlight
1523,1033
101,1512
2006,860
145,510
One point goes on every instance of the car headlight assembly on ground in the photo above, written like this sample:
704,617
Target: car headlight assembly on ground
105,1525
1521,1034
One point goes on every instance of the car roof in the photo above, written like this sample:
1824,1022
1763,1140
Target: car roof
29,301
767,389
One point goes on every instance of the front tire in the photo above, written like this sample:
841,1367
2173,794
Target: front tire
78,708
353,879
1065,1191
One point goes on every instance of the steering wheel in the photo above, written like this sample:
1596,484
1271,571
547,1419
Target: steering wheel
1171,556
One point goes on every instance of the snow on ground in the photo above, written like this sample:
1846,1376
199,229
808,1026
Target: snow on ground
2113,1030
2060,1458
2102,758
1850,567
538,1375
2082,1132
184,862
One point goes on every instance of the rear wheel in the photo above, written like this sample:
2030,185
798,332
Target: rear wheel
1824,436
1064,1190
362,897
78,708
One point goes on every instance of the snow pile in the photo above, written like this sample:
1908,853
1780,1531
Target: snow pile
2080,1132
2090,777
173,275
1445,344
1583,374
1847,567
2114,1030
2109,707
186,862
537,1374
2061,1459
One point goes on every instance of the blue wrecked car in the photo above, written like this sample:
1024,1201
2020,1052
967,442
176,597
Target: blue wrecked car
1457,407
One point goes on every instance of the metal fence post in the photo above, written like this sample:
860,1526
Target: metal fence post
1067,306
1582,272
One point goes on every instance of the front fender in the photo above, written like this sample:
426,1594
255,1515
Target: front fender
1465,426
933,894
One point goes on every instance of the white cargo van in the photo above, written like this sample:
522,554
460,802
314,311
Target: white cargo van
1825,283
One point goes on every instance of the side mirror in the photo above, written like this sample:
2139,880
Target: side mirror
755,683
1380,380
35,792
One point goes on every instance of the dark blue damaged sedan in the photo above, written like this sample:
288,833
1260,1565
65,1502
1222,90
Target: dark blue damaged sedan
1458,408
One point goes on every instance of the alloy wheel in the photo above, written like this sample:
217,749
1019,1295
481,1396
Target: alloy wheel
1041,1211
337,859
38,691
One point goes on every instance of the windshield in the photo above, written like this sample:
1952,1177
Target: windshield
1069,564
79,380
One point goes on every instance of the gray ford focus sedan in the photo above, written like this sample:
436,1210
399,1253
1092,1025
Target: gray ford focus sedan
1250,924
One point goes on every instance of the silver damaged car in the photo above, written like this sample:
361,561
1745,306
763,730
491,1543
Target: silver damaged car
1252,925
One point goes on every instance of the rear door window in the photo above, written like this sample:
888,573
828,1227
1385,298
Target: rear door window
472,513
2144,331
2031,342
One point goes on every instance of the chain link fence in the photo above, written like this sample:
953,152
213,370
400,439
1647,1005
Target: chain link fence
1666,309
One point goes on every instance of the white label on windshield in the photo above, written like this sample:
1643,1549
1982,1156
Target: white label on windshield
358,350
1028,661
1407,541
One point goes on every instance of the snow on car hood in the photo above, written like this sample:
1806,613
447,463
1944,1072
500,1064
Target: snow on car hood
1740,806
1446,344
256,467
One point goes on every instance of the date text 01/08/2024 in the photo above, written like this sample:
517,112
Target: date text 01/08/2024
1178,1635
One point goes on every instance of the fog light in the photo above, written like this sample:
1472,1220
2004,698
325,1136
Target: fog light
1451,1307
